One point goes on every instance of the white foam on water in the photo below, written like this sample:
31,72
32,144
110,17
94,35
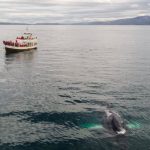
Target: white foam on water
96,127
122,132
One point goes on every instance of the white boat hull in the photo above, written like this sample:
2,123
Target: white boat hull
13,49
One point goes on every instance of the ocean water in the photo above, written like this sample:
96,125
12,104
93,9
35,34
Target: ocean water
49,95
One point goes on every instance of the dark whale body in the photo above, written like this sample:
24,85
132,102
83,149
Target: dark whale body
114,122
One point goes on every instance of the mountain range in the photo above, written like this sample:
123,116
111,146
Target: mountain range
140,20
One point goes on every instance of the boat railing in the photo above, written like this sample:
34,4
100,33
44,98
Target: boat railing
17,44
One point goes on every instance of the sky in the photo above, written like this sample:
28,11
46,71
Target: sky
70,11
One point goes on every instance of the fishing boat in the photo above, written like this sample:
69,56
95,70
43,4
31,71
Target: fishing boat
23,43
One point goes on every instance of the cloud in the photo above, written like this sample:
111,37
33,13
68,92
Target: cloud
134,5
69,11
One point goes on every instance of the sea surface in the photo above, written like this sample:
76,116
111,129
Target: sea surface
48,95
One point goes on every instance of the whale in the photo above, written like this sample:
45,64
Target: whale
111,121
114,122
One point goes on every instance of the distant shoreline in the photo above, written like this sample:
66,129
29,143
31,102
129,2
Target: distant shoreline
75,24
141,20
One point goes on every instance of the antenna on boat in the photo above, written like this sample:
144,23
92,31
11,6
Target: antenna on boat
27,29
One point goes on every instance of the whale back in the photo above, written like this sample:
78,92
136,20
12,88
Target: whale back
116,123
113,121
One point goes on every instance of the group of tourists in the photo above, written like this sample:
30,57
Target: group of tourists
16,43
22,41
24,38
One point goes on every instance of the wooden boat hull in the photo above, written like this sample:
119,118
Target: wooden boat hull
18,49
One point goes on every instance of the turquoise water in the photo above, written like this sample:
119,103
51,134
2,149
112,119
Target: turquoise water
51,96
